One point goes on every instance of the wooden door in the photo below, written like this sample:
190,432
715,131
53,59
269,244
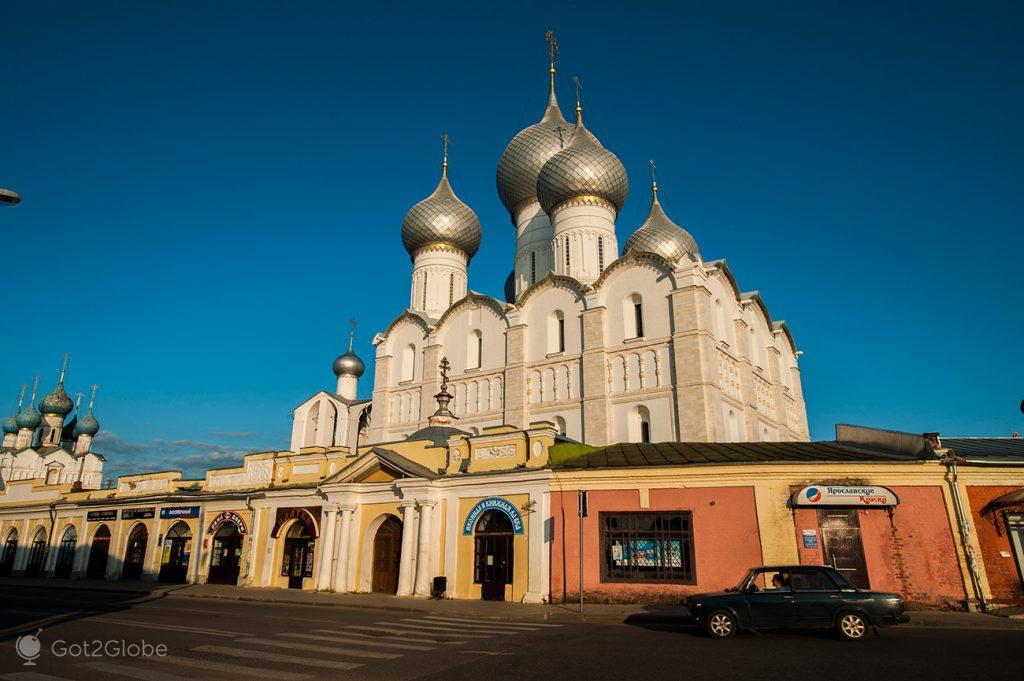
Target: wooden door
98,552
842,545
225,557
135,554
387,555
34,568
7,562
493,565
297,549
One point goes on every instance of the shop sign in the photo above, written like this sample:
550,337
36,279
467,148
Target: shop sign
137,513
227,517
307,514
810,539
845,495
94,516
179,512
496,504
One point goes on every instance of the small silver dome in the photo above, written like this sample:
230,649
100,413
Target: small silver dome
527,153
441,218
349,364
658,234
583,168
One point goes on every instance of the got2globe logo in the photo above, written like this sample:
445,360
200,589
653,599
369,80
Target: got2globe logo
813,494
28,648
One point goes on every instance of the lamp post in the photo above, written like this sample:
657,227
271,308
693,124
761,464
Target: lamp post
9,197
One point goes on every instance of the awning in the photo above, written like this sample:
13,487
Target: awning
858,496
1015,498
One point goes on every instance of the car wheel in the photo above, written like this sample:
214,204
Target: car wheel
851,626
721,624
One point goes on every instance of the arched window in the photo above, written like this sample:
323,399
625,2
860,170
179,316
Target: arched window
52,475
640,424
408,362
533,267
556,332
474,349
10,550
560,424
600,254
633,316
66,553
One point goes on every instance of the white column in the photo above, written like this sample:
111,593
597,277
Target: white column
344,555
323,575
424,549
405,565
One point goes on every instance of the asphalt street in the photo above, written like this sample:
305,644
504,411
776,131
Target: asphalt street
227,639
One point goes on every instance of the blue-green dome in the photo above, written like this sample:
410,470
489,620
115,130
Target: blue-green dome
11,424
87,425
57,402
30,418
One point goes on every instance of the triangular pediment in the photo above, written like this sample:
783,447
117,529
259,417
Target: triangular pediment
381,465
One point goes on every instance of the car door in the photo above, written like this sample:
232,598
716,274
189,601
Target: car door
817,597
770,607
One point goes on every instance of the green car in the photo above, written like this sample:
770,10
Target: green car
792,597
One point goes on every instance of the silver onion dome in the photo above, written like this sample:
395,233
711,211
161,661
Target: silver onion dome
527,153
441,218
582,168
658,234
349,364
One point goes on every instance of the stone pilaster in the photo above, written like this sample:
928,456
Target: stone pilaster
381,380
516,413
695,364
596,426
431,379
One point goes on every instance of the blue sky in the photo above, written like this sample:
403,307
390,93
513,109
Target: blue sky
210,193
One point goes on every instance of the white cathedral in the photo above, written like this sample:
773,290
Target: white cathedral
657,344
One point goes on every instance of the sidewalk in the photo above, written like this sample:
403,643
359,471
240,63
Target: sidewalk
602,613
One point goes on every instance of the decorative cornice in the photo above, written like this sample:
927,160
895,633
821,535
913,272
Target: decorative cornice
585,200
439,246
551,280
470,299
634,258
407,316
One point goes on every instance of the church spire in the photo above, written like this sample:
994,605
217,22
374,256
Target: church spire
552,112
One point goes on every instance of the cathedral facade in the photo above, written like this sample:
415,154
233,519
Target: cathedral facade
648,344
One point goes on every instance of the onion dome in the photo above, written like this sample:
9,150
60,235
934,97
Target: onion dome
349,364
57,402
527,153
30,418
583,168
441,218
659,235
11,424
87,425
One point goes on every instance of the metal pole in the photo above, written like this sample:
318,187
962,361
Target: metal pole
581,493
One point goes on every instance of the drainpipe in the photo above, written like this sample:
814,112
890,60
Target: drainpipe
965,530
252,539
49,539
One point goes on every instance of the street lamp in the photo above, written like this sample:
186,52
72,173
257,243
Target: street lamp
9,197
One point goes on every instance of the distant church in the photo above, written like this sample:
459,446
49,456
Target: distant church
655,344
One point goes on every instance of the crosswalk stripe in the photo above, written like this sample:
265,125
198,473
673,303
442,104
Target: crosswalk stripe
254,672
32,676
355,641
433,630
410,632
277,657
348,652
504,624
379,637
168,627
132,672
469,628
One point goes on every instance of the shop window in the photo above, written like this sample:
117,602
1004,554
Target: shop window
647,547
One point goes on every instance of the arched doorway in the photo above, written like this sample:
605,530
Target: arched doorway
492,565
66,554
10,551
298,554
226,555
177,549
37,554
135,553
98,552
387,554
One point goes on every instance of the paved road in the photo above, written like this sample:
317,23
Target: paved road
213,639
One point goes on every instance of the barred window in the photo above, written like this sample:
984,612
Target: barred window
533,267
647,547
600,254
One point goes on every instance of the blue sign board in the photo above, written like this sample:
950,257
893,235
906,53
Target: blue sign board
810,539
179,512
496,504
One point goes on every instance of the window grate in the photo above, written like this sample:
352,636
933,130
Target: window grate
647,547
